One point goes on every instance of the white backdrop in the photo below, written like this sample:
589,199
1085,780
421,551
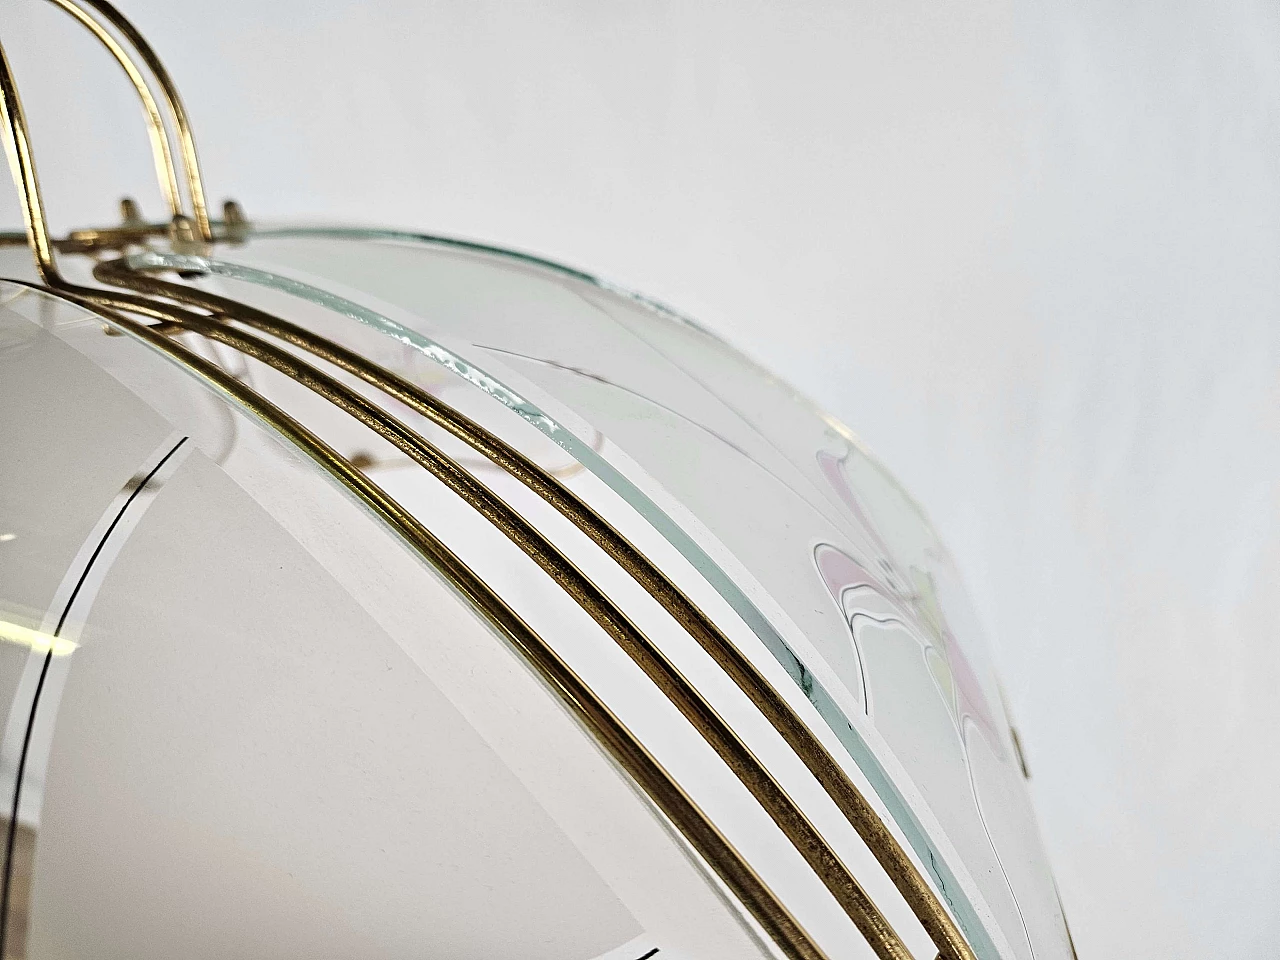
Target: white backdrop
1030,251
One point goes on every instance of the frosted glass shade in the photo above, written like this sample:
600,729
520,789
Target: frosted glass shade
244,717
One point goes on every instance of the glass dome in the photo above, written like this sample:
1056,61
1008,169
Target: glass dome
275,706
365,593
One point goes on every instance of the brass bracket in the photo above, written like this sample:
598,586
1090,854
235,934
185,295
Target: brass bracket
190,233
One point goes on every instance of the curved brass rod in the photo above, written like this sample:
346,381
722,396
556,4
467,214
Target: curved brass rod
763,786
784,812
186,140
160,152
582,701
852,804
17,142
21,164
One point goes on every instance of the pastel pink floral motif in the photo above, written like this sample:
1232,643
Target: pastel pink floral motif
913,597
832,468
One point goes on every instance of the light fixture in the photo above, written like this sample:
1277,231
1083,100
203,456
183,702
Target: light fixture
433,599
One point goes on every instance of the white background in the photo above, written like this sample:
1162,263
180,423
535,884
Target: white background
1030,251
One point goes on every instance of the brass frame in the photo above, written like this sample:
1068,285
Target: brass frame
161,154
695,708
812,846
196,229
626,749
622,744
186,139
745,675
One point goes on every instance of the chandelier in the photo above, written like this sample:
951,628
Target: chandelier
374,593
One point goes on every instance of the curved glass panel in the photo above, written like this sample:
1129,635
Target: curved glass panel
242,718
628,481
809,542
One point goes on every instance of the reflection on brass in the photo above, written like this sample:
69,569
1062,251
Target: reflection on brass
608,729
18,149
913,887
